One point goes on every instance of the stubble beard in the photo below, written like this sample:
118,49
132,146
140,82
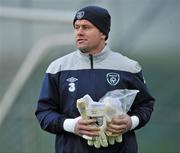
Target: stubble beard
84,50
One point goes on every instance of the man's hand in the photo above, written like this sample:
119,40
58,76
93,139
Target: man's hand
119,124
86,127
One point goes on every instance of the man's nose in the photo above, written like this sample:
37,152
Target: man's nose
80,31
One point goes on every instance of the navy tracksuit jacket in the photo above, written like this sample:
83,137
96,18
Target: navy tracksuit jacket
76,74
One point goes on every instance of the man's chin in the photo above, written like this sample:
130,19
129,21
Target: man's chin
83,49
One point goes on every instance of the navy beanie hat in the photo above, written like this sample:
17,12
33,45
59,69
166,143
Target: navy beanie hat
98,16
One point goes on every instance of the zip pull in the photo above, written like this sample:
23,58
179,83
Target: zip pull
91,60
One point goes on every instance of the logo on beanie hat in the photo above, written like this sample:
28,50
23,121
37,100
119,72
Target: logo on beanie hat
80,15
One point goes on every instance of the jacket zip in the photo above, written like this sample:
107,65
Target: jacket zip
91,61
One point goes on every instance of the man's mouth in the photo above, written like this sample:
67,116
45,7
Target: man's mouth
81,40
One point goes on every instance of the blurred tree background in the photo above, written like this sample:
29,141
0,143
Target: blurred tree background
144,30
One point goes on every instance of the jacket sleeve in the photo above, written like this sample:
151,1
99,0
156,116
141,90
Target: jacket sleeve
144,102
47,111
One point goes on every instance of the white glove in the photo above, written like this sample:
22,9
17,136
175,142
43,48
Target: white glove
88,108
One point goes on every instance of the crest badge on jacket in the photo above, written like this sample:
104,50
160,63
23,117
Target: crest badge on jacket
113,78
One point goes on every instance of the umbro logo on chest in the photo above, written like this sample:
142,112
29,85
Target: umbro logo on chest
71,84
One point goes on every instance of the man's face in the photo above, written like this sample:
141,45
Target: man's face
89,39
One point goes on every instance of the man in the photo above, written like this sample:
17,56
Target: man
93,69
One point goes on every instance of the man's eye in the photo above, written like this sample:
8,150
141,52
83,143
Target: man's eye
87,27
76,27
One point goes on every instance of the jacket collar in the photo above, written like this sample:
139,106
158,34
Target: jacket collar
98,57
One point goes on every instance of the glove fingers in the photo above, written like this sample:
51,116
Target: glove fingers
103,139
118,138
97,143
111,140
90,142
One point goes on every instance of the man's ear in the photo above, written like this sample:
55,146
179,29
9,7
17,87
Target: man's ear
103,36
